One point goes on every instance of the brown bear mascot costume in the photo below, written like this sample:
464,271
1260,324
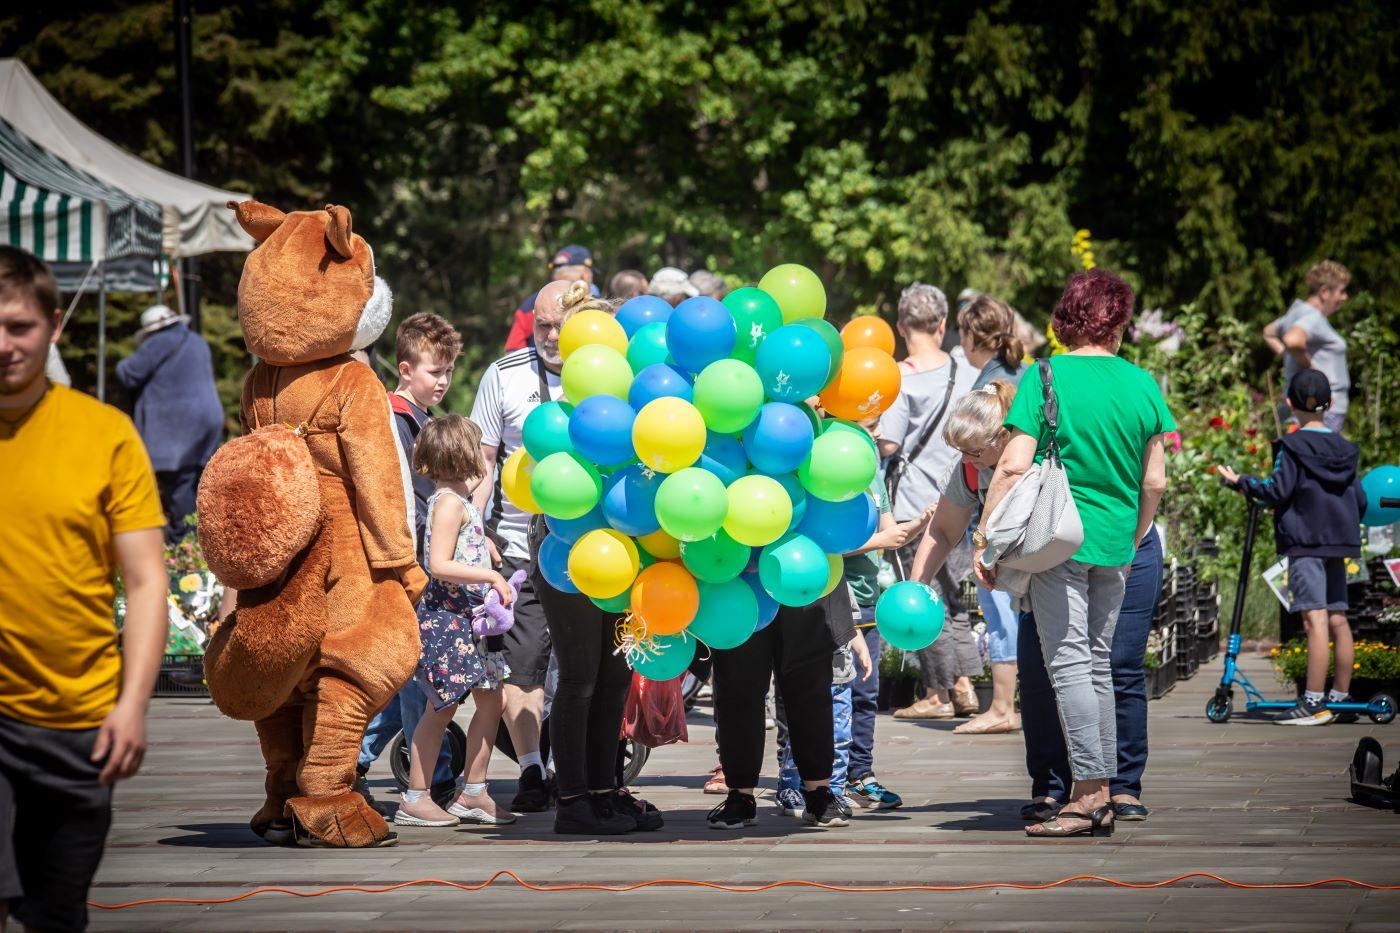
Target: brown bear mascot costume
305,518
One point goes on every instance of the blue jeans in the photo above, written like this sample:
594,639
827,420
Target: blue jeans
865,697
841,726
1047,758
1002,624
403,713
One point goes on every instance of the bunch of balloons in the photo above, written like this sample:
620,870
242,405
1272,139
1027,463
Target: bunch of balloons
687,480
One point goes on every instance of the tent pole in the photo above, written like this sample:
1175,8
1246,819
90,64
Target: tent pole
184,42
102,333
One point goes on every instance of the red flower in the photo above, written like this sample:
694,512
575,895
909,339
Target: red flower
1250,432
1217,422
1253,448
1211,468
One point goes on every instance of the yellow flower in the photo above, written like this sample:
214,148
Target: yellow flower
1356,667
189,583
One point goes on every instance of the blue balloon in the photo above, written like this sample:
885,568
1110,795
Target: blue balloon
660,380
1381,482
793,486
700,332
571,529
629,500
554,563
601,430
648,347
636,313
840,527
673,655
779,439
793,362
724,456
767,605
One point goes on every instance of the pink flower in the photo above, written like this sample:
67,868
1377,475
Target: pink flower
1173,439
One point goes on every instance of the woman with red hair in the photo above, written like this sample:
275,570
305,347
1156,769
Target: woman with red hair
1110,425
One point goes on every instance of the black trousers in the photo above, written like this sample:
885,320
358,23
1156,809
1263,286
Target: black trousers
178,490
797,648
586,717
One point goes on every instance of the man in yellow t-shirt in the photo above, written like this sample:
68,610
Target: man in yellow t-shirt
79,503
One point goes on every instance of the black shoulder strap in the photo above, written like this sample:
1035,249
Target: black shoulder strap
927,434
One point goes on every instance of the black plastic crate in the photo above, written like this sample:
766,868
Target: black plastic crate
181,675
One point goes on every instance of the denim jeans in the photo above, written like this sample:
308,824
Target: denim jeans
865,697
1002,624
403,713
1046,756
841,734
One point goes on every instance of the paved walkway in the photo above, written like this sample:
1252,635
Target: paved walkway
1249,800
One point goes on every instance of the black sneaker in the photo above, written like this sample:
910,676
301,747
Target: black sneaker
648,817
583,816
1305,714
532,793
822,809
1344,717
738,810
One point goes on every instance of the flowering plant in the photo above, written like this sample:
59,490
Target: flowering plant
1374,661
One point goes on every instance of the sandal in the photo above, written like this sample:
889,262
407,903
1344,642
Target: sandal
1040,811
1100,824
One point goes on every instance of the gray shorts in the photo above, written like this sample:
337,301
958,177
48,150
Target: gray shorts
526,643
1317,583
54,817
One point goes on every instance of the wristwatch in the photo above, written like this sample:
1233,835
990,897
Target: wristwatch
979,540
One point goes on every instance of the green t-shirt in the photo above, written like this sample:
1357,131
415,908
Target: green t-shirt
1109,408
863,570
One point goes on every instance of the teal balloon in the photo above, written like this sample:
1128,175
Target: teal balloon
648,346
1381,482
716,559
909,616
794,570
728,395
691,504
756,315
546,430
833,343
840,467
673,655
793,363
620,603
727,616
565,485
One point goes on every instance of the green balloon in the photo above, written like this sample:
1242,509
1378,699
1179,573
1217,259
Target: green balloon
672,656
565,485
595,369
716,559
840,424
728,395
619,603
812,416
756,315
546,430
796,289
840,467
690,504
833,343
647,346
727,616
909,616
794,570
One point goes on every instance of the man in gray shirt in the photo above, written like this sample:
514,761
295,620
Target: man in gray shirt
1306,340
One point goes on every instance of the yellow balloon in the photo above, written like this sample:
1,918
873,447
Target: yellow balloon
603,563
669,434
591,327
660,545
759,510
515,481
837,570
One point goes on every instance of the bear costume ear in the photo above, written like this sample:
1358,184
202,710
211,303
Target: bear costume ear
258,220
338,230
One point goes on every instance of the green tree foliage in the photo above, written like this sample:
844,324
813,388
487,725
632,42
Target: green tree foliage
1214,149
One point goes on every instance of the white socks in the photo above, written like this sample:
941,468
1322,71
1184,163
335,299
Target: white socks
413,796
1313,698
1334,697
474,790
531,758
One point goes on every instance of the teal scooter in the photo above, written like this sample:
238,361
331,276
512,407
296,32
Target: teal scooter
1381,707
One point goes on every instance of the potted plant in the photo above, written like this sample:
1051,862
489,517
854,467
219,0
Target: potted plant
1375,670
899,680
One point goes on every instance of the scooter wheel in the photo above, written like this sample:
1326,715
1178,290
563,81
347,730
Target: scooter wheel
1382,708
1219,709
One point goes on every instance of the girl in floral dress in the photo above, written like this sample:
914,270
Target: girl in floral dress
455,661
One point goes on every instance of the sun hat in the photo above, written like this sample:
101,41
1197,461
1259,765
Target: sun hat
159,317
669,280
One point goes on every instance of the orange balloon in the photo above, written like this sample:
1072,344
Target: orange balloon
665,598
868,330
866,384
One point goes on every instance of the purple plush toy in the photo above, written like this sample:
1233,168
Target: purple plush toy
491,618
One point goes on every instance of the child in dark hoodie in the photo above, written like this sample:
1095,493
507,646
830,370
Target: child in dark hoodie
1317,502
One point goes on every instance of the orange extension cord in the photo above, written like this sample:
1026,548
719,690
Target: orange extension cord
755,888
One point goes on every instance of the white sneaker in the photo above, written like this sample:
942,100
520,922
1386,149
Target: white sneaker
407,819
478,816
